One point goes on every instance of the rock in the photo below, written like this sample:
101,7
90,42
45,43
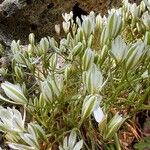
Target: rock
18,18
9,7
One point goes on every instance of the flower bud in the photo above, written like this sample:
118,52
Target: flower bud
44,45
19,73
57,29
31,38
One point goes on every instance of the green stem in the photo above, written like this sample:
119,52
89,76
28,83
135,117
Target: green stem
117,142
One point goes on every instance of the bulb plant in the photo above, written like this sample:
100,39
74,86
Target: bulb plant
76,93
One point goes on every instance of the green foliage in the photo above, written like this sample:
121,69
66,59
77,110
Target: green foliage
143,144
80,85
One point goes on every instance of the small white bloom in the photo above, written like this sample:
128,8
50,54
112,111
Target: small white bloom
99,21
15,47
87,59
134,10
146,19
57,28
32,38
93,79
11,120
14,92
114,125
116,11
135,52
98,114
88,26
51,87
70,143
66,26
147,3
31,138
67,17
119,48
44,44
91,105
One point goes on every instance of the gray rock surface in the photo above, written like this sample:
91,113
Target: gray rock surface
18,18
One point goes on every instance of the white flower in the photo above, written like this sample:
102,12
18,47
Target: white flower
31,138
15,47
57,28
51,87
11,120
98,114
119,48
70,143
32,38
44,44
14,92
88,25
87,59
146,19
91,105
99,21
134,10
67,17
147,2
93,79
116,11
135,53
66,26
114,125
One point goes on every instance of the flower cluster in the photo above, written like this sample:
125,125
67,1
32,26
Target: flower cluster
80,84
